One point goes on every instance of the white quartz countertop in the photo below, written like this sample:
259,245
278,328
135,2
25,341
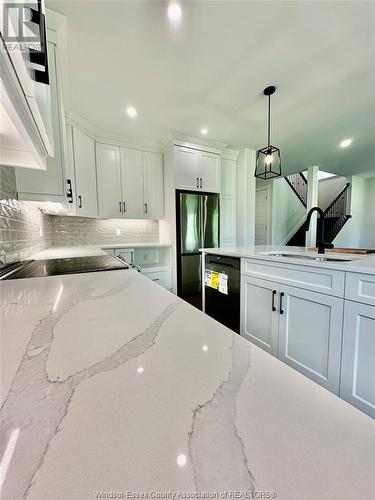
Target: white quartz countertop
88,250
111,385
357,263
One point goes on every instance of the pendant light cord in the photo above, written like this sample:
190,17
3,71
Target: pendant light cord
269,120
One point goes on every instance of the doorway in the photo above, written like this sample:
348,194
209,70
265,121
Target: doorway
262,216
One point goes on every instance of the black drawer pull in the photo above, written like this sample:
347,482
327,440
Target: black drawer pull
281,303
273,300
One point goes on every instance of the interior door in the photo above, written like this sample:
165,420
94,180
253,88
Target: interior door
259,313
85,173
310,330
132,183
108,168
261,217
153,187
187,168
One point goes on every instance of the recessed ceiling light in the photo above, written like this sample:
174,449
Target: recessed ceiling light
346,143
204,131
174,12
131,111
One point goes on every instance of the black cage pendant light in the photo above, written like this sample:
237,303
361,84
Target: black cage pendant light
268,164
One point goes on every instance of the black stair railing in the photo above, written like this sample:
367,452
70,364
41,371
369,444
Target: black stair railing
298,183
339,205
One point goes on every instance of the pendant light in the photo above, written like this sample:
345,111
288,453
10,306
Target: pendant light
268,163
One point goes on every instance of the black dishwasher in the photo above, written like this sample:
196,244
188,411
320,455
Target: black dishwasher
222,290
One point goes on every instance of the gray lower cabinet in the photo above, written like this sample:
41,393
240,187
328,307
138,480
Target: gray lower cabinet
358,354
300,327
259,318
310,332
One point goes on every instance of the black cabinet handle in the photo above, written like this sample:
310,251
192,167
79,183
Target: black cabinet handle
119,205
146,208
197,182
273,300
201,182
79,201
69,191
281,303
124,206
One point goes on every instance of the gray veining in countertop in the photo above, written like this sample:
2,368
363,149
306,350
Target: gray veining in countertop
113,384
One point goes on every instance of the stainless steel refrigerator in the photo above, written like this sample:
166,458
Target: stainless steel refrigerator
197,227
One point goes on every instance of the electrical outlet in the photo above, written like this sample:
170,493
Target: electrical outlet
118,231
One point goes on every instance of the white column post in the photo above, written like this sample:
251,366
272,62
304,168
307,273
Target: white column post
312,201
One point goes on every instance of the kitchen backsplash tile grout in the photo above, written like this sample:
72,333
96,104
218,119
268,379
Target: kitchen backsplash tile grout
25,230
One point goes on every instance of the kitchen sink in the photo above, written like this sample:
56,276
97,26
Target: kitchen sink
316,258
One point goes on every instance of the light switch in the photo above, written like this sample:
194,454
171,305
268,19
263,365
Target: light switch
118,231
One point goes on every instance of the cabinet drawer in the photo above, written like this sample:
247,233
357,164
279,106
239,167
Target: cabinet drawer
317,279
360,287
162,278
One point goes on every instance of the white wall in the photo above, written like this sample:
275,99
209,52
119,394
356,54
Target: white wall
359,231
328,189
287,210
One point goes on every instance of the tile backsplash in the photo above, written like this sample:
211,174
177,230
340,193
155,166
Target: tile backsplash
24,230
67,231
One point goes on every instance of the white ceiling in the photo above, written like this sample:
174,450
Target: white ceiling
211,70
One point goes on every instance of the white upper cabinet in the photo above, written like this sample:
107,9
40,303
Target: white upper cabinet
187,168
108,169
197,170
47,185
153,185
132,182
228,177
209,172
85,173
228,202
25,98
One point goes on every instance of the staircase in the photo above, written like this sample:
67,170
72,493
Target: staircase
335,215
298,183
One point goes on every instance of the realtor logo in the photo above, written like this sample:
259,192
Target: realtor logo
22,21
24,29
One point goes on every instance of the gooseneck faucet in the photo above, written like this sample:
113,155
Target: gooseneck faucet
320,229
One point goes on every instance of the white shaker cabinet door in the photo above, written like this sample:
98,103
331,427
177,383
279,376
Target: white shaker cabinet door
227,220
259,315
210,172
228,177
132,183
109,180
153,186
85,173
358,354
310,333
187,164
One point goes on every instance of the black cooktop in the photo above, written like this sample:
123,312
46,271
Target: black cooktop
52,267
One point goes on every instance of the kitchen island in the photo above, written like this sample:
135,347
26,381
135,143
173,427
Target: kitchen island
112,387
315,312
